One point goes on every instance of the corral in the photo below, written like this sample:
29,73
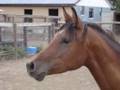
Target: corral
13,75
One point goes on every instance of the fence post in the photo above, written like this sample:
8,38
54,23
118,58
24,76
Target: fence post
0,34
25,36
49,34
15,38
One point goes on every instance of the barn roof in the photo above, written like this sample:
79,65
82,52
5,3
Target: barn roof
38,2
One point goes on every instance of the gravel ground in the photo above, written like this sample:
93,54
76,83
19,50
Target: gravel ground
13,76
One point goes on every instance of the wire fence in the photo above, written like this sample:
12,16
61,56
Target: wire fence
19,36
16,36
18,32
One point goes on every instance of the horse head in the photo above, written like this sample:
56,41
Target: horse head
65,52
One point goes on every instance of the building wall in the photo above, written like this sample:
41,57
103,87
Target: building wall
108,16
41,11
97,14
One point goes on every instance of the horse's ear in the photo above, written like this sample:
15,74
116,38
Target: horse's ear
76,19
67,17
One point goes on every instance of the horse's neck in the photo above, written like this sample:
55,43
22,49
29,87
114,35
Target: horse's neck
104,64
97,72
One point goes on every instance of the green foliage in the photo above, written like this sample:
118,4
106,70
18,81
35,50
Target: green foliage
20,52
116,4
9,52
39,49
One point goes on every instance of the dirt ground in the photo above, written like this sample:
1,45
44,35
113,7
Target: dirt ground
13,76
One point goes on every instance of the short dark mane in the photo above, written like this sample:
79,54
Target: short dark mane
96,27
100,30
105,36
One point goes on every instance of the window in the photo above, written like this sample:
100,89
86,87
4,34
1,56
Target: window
82,10
28,12
117,16
91,12
53,12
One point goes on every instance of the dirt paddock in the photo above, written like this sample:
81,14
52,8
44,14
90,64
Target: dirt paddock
13,76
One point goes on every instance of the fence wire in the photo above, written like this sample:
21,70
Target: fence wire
16,37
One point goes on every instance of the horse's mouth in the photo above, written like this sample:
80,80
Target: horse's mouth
38,77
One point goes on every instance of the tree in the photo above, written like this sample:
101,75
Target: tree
116,4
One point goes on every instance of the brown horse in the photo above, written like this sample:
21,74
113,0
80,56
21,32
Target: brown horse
76,45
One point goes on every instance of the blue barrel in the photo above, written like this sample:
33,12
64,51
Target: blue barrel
31,50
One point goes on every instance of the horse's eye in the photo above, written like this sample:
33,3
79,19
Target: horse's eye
66,41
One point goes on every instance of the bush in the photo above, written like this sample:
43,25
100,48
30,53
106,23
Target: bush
20,52
39,49
11,53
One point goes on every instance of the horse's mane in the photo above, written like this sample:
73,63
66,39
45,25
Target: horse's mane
114,44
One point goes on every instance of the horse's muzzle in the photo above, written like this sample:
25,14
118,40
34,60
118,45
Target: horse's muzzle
33,73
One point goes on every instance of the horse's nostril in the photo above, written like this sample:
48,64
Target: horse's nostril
30,66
